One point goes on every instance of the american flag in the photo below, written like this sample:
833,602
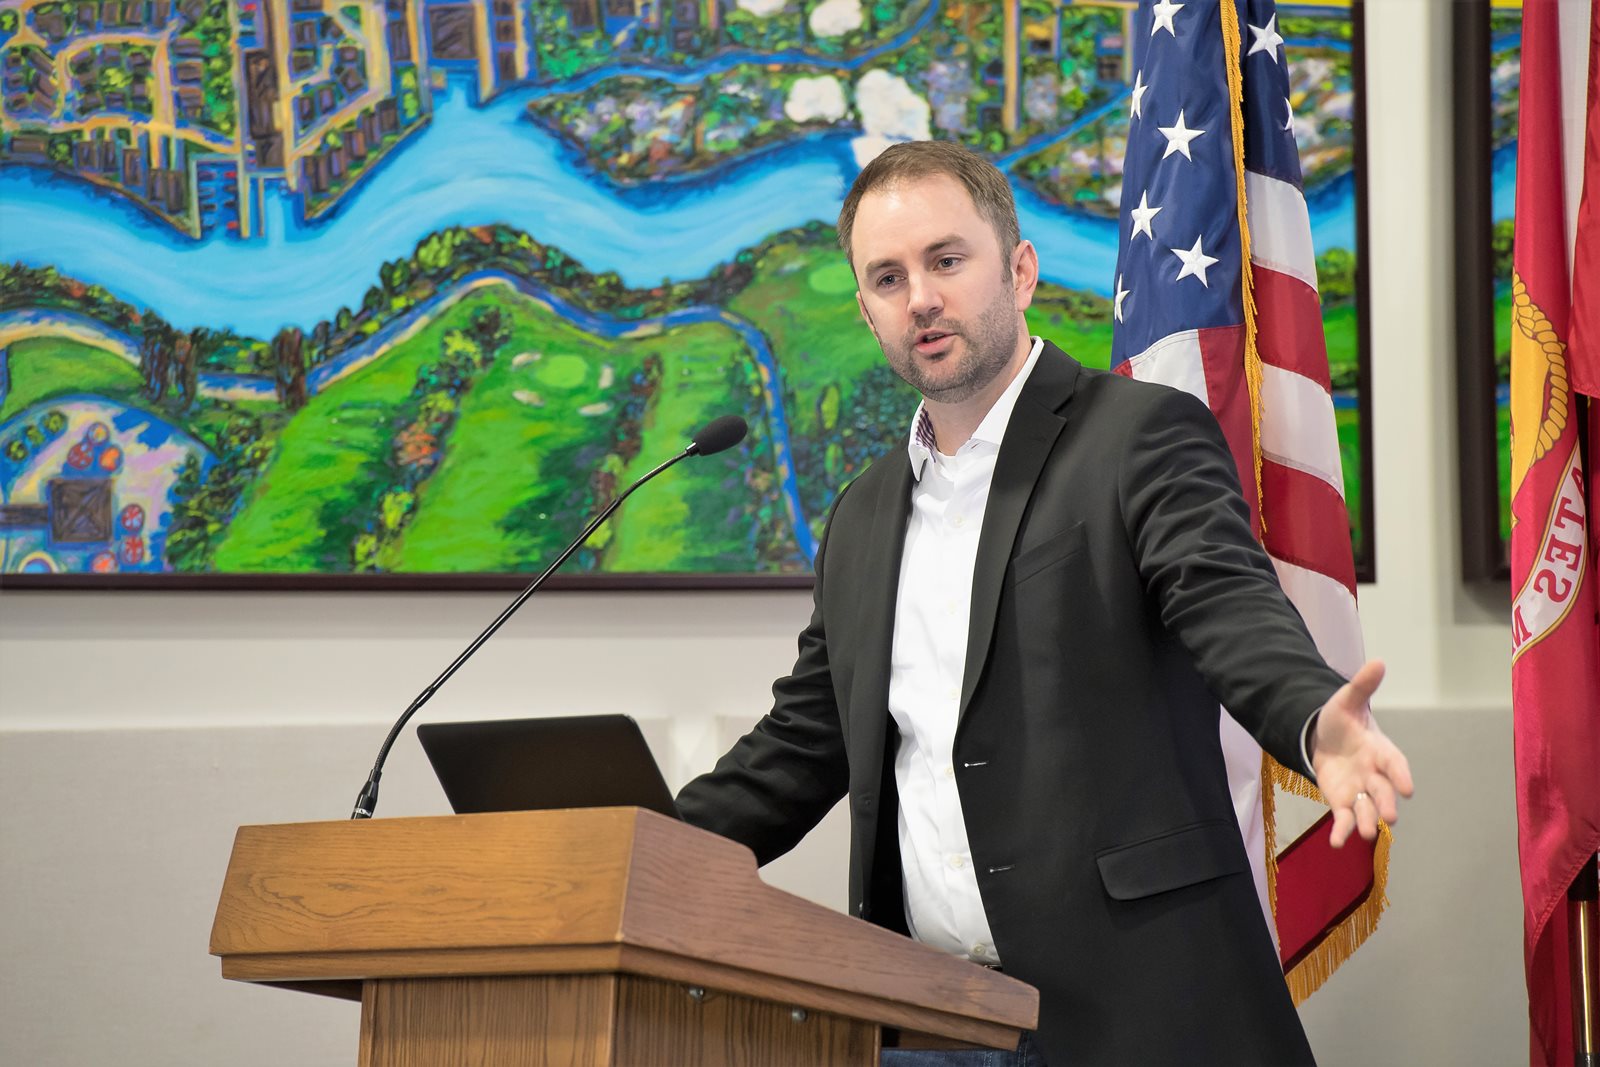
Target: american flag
1187,314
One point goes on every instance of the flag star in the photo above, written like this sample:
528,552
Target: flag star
1267,39
1195,262
1122,293
1288,123
1141,218
1164,10
1139,88
1178,138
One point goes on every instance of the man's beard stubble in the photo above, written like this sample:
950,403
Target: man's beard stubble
990,344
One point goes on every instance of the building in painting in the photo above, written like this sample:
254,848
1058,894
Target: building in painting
166,102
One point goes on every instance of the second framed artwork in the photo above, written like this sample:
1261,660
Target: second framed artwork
1487,50
396,294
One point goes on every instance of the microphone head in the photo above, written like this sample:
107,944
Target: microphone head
718,435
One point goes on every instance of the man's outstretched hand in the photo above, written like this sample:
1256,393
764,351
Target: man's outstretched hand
1359,770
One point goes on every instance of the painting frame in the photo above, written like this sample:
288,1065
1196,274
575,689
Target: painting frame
1485,553
1366,559
469,581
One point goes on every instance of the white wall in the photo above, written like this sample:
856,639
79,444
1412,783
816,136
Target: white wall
137,730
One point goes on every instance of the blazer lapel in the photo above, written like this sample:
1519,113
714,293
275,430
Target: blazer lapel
1035,424
873,628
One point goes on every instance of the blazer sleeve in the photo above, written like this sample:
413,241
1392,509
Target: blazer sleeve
780,779
1212,583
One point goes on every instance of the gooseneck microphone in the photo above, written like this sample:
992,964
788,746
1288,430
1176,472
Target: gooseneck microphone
716,436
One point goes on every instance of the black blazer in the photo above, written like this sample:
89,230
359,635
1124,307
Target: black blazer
1118,597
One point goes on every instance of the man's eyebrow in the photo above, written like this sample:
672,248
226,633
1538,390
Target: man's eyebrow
937,246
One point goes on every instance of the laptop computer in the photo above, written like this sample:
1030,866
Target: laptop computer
582,761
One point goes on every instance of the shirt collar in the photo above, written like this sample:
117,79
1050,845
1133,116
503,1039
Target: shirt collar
991,430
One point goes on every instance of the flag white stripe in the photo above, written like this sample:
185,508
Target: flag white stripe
1280,227
1330,614
1297,428
1174,360
1242,758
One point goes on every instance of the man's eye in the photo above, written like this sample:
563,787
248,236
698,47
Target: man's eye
886,280
949,261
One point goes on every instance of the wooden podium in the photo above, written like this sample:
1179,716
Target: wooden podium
603,936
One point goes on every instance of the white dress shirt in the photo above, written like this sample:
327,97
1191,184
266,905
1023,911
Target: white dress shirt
943,906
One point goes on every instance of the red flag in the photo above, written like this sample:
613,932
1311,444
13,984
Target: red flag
1555,666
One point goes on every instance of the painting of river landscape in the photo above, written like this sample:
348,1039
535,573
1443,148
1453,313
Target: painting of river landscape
400,292
1505,70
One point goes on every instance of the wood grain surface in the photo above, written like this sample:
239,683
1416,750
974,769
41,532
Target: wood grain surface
546,1021
593,891
659,1024
595,1021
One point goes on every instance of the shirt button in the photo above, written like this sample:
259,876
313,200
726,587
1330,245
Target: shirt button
958,861
949,772
980,950
953,693
959,520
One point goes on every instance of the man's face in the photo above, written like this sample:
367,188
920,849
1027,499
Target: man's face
935,289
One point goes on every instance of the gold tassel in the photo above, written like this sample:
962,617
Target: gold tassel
1269,823
1293,783
1252,356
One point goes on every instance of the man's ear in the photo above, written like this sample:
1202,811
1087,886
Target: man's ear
1024,273
866,316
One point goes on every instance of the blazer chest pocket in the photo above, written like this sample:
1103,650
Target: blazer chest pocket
1049,551
1185,856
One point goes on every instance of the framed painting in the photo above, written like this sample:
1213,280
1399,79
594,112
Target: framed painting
396,293
1487,50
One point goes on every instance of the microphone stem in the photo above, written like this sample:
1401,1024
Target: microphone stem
368,799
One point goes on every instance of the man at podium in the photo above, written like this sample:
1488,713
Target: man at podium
1024,623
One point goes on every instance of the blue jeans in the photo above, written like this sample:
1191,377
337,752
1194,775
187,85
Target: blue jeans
1026,1054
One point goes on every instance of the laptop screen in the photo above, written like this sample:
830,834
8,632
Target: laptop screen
583,761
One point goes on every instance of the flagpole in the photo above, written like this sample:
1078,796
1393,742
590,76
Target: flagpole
1583,898
1583,931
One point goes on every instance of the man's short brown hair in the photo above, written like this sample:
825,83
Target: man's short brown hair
914,160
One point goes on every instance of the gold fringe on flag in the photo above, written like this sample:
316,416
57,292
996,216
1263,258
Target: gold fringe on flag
1252,357
1307,976
1269,824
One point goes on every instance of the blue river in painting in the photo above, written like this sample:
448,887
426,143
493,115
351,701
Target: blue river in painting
1503,178
477,165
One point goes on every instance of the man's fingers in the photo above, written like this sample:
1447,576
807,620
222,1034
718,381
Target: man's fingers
1366,813
1381,792
1363,684
1343,822
1397,769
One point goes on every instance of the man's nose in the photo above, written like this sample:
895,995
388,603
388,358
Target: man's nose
923,294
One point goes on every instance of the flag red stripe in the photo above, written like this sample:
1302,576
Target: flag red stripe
1222,358
1306,522
1289,326
1318,886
